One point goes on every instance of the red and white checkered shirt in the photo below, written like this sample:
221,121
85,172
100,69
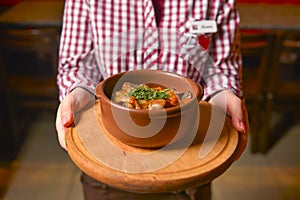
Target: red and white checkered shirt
101,38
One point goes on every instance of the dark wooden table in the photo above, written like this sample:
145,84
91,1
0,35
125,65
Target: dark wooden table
284,17
33,14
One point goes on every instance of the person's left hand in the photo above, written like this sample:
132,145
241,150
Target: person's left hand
72,103
236,109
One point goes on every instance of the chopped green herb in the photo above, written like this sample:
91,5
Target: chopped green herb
146,93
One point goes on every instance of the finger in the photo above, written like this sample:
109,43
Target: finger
67,111
240,119
246,118
243,141
75,101
240,126
60,129
240,122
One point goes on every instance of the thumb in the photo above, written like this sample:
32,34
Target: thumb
239,118
67,111
240,122
72,103
75,101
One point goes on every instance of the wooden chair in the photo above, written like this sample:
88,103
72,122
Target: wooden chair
28,62
283,89
255,48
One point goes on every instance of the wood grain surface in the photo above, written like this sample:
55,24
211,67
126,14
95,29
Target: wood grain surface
171,168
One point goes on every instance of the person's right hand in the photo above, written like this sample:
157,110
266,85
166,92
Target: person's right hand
72,103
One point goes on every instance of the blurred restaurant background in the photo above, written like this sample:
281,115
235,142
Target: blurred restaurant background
29,38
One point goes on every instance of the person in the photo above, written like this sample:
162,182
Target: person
94,34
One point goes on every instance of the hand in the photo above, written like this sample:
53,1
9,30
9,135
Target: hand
72,103
235,108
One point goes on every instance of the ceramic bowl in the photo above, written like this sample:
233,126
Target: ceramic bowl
149,128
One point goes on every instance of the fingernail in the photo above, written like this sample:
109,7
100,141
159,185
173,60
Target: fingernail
65,120
242,126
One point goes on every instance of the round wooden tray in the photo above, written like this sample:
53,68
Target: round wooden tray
104,158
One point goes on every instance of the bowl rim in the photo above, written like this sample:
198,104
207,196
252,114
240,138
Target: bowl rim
99,93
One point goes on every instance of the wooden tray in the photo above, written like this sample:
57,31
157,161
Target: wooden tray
104,158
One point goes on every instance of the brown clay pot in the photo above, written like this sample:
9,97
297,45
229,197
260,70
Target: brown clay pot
144,128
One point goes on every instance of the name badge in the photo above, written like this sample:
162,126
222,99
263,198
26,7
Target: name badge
203,26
